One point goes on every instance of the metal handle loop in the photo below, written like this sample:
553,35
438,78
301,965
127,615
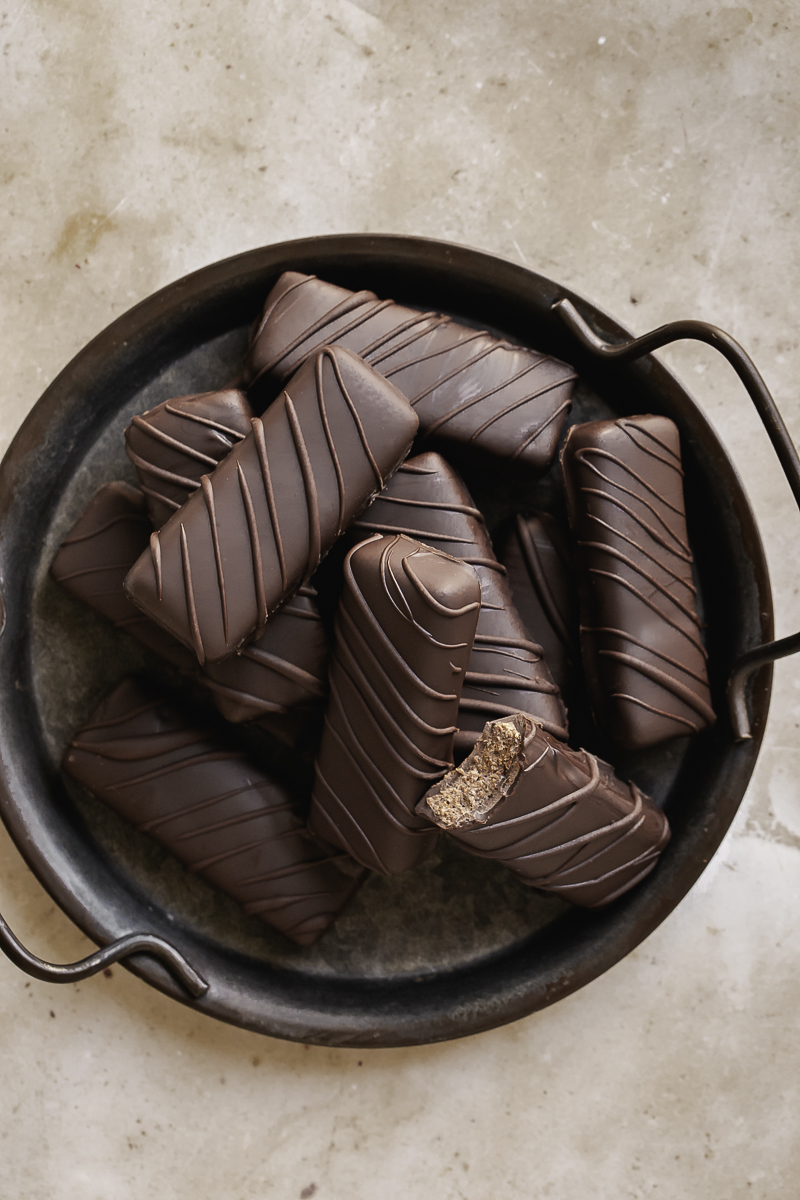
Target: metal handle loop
773,422
132,943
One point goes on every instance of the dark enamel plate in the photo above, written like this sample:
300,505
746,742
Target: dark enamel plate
458,945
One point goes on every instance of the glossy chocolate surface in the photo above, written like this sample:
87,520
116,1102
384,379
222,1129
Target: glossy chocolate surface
640,631
221,815
404,633
464,384
261,523
174,444
284,670
97,554
428,500
558,818
537,556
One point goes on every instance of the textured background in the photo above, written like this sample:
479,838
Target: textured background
646,155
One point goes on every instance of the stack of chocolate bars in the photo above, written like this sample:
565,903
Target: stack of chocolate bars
445,649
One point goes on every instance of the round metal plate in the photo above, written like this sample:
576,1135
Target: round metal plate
457,946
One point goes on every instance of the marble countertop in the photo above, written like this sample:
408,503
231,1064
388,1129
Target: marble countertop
647,156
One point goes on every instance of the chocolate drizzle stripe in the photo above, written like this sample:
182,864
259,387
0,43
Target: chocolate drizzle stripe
443,379
187,810
353,302
419,534
537,395
644,646
668,682
326,820
612,552
144,464
554,415
123,518
206,757
538,578
582,456
383,640
356,418
661,712
489,639
269,492
255,814
309,483
467,509
498,387
160,497
208,494
439,352
269,309
92,571
323,416
419,325
288,669
413,678
361,685
187,415
681,554
520,682
191,610
166,439
258,703
493,709
255,551
673,460
292,610
695,641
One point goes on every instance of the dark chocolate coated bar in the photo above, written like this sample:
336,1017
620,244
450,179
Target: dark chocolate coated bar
508,672
537,556
220,814
284,670
464,384
261,522
174,444
640,632
404,632
558,818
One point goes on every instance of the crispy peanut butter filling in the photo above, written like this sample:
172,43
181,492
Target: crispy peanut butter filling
470,792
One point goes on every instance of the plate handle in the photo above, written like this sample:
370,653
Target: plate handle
745,368
132,943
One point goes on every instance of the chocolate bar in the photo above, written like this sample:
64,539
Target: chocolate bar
220,814
428,500
464,384
174,444
262,521
640,631
404,632
558,818
284,670
538,561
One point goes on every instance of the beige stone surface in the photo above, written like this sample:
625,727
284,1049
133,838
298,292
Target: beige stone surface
645,154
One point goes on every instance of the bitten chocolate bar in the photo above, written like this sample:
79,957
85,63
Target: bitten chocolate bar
174,444
507,672
538,562
558,818
464,385
260,524
284,670
640,633
217,812
404,633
